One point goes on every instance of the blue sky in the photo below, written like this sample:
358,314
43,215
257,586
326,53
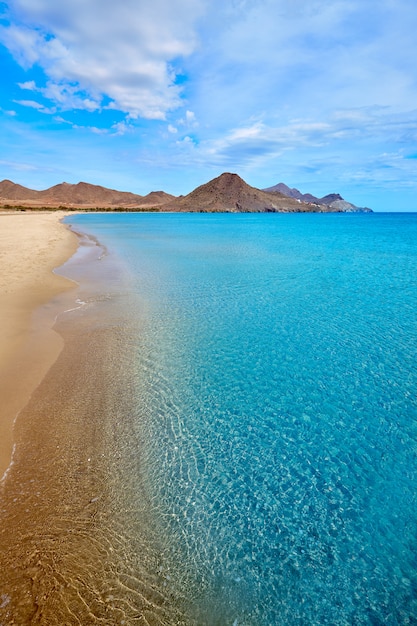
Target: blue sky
143,95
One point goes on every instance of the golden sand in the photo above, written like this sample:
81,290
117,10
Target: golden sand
31,246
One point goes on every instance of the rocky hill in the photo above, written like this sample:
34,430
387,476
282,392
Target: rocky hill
229,193
292,193
156,198
332,200
226,193
11,192
80,195
84,194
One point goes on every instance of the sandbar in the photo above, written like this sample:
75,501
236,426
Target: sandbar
32,245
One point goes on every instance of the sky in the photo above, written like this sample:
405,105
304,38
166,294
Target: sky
147,95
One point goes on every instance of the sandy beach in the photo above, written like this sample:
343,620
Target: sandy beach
74,522
31,246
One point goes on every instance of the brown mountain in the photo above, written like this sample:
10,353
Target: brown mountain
229,193
12,191
65,194
89,195
156,198
226,193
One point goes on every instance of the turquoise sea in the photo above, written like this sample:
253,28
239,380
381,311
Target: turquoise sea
275,383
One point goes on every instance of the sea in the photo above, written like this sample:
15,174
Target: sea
275,412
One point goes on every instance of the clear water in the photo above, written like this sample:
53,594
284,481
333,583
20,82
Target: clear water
276,406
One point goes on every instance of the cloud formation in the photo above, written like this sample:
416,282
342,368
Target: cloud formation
259,140
177,91
285,57
99,53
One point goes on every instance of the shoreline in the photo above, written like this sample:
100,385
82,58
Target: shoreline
32,247
78,540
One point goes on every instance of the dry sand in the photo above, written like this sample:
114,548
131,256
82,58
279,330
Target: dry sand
31,246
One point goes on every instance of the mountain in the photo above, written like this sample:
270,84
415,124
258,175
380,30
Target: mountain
80,195
156,198
14,192
342,205
330,198
333,200
292,193
86,194
229,193
226,193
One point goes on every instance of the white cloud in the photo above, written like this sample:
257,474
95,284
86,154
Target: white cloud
63,95
18,166
29,85
187,142
9,112
344,132
68,97
190,119
32,104
97,131
259,141
101,49
61,120
121,128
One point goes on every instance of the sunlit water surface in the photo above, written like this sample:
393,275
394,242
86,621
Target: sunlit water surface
276,407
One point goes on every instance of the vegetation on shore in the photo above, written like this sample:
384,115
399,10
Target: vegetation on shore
97,209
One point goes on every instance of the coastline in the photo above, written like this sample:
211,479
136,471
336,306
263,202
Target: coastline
128,498
85,537
32,246
78,542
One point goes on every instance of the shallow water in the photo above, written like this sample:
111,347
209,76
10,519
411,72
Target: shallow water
272,460
276,405
77,541
275,381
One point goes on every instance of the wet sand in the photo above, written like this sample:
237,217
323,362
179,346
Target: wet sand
31,246
78,542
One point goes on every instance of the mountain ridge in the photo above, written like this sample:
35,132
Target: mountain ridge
226,193
333,200
230,193
84,195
